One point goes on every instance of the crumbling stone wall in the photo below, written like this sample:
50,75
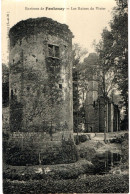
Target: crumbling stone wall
116,119
113,117
41,80
100,114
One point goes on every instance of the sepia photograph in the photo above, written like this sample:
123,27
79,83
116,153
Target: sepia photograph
64,96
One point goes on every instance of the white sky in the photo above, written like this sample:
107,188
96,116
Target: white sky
86,25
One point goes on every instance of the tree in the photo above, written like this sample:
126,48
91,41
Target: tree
5,73
113,51
78,54
119,30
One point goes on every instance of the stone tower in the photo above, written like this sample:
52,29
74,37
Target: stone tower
101,114
41,83
91,103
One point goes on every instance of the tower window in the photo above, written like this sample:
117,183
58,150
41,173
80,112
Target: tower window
60,86
94,104
12,94
53,51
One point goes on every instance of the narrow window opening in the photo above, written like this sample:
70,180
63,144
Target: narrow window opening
60,86
94,104
12,94
57,51
53,51
50,50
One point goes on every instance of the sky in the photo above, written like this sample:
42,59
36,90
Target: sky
85,18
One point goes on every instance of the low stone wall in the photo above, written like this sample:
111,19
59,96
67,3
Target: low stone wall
42,147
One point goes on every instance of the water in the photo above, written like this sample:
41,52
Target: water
104,162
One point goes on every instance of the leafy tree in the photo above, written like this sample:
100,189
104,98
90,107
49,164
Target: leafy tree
5,73
113,51
78,54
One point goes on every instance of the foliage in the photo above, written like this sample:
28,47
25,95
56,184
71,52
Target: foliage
80,139
58,171
28,154
78,55
89,184
69,152
66,154
5,73
123,141
125,151
113,50
15,155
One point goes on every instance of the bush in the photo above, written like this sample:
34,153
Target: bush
15,155
87,153
76,140
125,151
91,184
116,140
119,139
80,139
69,152
68,174
29,155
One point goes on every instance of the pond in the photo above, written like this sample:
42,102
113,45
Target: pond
104,162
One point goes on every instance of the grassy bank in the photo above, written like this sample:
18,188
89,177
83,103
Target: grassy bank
71,178
59,171
90,184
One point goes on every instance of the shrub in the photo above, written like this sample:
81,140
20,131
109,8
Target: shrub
80,139
29,154
87,153
69,152
15,155
76,140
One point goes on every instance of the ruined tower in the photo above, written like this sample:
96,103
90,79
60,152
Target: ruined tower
41,84
91,103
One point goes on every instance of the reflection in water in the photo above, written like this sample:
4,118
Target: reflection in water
104,162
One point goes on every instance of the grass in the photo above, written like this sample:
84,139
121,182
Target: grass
59,171
90,184
65,178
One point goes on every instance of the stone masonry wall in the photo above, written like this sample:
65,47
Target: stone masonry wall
92,106
41,82
5,119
